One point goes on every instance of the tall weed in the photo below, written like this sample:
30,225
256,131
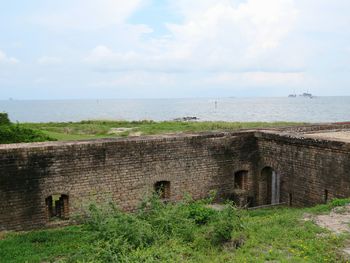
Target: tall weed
123,237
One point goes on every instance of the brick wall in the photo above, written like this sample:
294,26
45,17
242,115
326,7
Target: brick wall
125,171
308,167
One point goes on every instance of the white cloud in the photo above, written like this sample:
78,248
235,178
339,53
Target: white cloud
137,79
104,58
213,44
215,36
87,14
5,59
234,36
324,15
48,61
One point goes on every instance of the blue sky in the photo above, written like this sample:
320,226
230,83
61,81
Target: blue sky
154,49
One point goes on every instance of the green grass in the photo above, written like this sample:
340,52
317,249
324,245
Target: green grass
99,129
39,246
182,232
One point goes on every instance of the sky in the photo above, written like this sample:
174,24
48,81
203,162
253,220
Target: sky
80,49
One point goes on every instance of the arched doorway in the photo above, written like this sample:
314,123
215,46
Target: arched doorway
162,188
269,186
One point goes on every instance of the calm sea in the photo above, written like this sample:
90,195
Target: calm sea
318,109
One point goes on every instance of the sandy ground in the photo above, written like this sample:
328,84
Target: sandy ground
336,136
337,221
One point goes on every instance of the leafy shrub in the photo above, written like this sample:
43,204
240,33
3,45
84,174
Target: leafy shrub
112,224
4,119
340,202
17,134
160,232
225,223
168,220
200,213
10,133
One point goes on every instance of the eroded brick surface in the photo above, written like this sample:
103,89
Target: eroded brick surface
126,170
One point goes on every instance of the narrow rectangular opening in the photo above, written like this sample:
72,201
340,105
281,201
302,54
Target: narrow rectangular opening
290,199
325,196
240,180
57,207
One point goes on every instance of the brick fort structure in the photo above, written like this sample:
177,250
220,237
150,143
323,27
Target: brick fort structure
43,183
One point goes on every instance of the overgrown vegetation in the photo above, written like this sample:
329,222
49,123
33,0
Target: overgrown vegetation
4,119
14,133
36,132
149,235
103,129
189,231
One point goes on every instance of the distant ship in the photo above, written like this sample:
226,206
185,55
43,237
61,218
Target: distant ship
304,95
307,95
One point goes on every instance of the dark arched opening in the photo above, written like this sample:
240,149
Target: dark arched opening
162,188
269,186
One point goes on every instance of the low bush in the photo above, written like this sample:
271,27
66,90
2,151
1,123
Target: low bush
340,202
4,119
17,134
108,235
222,227
139,237
200,214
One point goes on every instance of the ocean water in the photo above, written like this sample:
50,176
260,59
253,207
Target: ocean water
318,109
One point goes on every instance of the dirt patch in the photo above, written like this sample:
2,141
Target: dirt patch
135,134
120,130
338,220
217,207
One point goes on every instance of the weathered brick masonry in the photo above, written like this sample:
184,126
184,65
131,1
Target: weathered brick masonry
312,171
57,179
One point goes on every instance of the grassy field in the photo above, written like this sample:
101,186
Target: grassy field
102,129
183,232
